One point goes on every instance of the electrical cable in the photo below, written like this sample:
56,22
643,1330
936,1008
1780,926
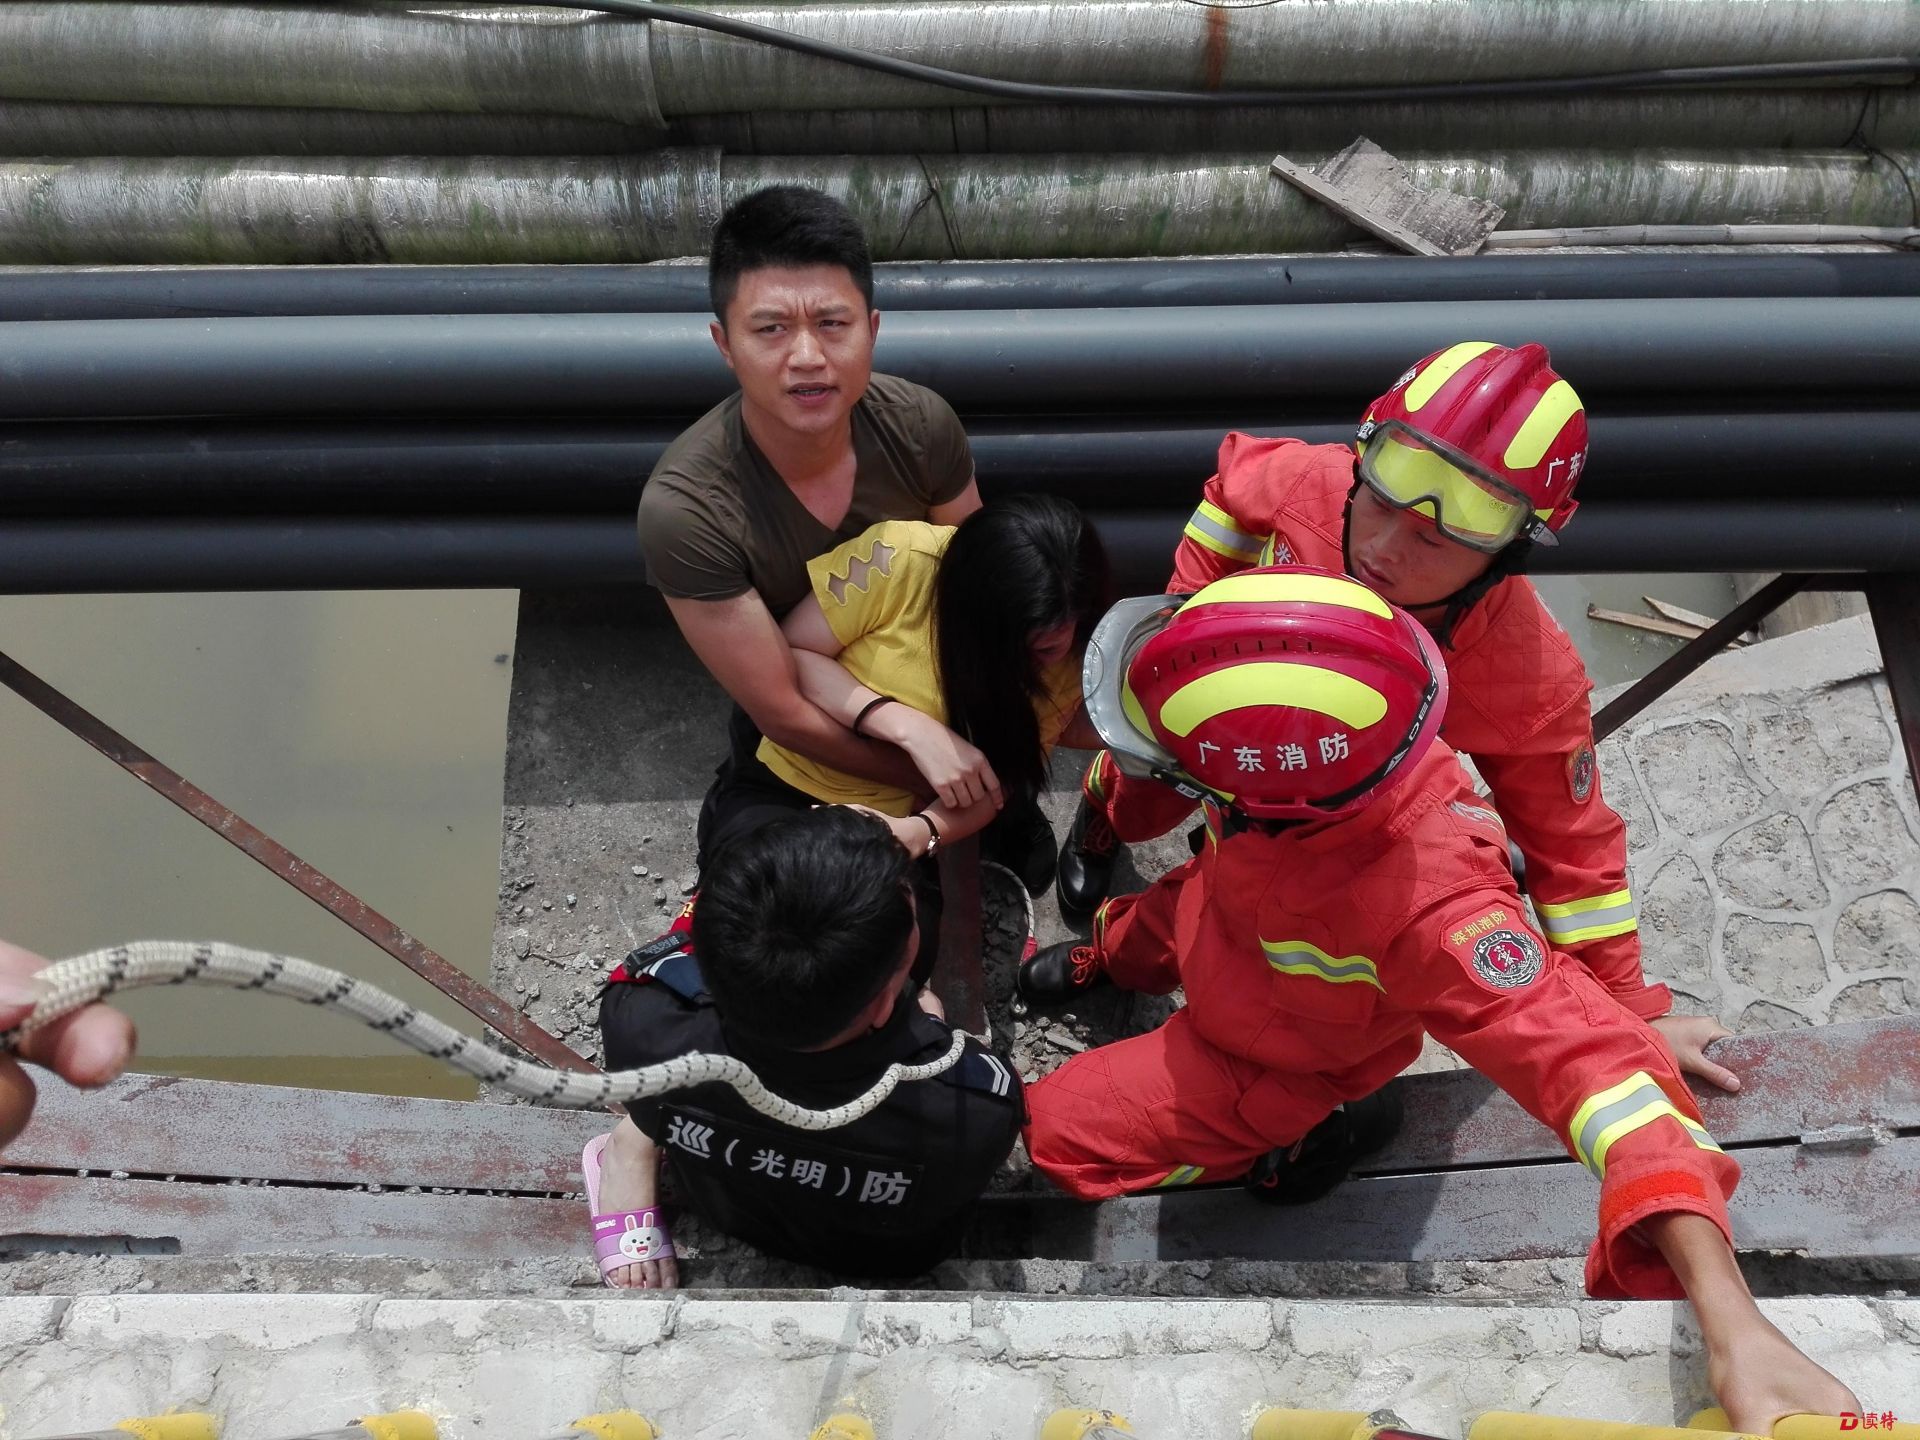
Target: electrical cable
1891,68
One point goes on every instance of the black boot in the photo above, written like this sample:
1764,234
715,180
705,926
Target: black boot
1086,864
1060,972
1312,1168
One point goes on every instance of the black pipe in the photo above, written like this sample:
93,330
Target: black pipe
136,556
211,469
1088,360
193,292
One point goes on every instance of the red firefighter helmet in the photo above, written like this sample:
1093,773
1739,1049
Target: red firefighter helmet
1285,692
1487,441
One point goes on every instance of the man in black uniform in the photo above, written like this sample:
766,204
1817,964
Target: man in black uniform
806,940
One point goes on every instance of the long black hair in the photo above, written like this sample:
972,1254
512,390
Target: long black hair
1017,567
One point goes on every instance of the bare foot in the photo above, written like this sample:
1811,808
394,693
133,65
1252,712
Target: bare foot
630,1180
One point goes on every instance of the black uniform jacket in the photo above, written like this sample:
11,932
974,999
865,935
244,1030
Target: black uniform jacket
887,1195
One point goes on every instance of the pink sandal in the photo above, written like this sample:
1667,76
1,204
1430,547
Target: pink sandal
621,1237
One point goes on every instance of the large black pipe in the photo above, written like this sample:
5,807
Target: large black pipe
210,469
201,292
1063,360
77,556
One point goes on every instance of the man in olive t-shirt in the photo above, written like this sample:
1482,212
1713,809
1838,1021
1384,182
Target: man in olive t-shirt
812,450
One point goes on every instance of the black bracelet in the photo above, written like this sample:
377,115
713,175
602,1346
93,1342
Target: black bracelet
933,833
868,708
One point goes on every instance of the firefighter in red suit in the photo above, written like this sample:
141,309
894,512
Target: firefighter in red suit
1462,467
1354,894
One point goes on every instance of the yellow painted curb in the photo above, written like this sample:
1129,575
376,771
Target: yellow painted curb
197,1426
1313,1425
618,1425
1074,1424
400,1425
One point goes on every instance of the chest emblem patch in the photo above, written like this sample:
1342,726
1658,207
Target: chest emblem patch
1508,959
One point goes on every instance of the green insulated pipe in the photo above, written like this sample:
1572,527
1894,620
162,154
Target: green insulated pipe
546,59
1824,118
490,210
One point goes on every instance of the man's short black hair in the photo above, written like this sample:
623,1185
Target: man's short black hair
802,923
786,226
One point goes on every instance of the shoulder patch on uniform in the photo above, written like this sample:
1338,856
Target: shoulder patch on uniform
679,972
985,1071
1581,769
1508,959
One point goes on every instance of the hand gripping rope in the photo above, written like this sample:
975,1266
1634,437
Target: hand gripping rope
84,979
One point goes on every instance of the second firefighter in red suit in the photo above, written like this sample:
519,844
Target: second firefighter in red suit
1353,896
1520,707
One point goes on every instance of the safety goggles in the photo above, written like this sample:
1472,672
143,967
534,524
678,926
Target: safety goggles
1410,471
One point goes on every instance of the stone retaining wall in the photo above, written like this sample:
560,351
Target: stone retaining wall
1773,832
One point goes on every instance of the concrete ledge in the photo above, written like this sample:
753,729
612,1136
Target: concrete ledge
991,1366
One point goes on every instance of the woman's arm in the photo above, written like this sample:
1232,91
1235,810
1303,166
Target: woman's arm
957,772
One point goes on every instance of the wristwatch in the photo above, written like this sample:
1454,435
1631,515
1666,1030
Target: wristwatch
933,834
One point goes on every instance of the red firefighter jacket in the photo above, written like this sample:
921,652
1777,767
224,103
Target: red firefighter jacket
1405,918
1518,700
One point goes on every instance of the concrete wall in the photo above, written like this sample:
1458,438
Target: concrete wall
983,1367
1772,826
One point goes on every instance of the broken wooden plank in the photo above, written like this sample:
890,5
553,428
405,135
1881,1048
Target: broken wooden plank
1378,193
1651,624
160,1125
1825,1204
1694,618
961,978
229,1220
1793,1083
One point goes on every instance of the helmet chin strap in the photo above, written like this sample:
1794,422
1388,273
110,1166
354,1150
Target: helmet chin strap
1508,562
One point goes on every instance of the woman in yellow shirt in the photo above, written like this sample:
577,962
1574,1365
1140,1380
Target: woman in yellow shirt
962,646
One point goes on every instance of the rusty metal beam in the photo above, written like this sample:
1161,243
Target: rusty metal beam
1894,603
332,897
1696,652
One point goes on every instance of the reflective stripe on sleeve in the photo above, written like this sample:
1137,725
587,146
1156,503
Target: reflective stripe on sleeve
1598,917
1214,529
1299,957
1618,1111
1181,1175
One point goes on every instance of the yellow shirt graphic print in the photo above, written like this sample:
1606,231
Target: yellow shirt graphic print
877,592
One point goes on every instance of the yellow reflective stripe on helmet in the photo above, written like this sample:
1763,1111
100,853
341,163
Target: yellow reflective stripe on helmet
1181,1175
1301,957
1352,702
1444,367
1536,435
1598,917
1603,1119
1212,528
1314,589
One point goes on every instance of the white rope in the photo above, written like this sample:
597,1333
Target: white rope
84,979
